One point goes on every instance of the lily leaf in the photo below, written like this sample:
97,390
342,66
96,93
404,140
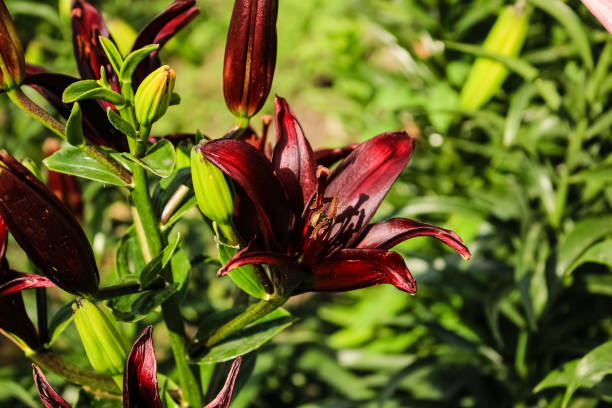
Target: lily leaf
585,372
73,161
157,264
159,159
249,338
74,126
60,320
91,89
120,124
132,61
113,54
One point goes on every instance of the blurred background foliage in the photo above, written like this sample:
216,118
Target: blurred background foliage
525,181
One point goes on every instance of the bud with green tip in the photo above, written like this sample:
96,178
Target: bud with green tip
104,346
212,191
12,61
153,95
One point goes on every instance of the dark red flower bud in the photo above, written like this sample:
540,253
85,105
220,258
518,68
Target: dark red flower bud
64,186
140,377
223,399
12,62
45,229
250,56
47,394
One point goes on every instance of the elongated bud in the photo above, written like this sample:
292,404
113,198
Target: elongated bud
12,61
250,56
487,76
45,229
213,193
153,95
101,340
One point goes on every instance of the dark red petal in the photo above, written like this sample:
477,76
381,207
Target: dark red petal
13,316
47,394
252,171
250,55
350,269
140,377
161,29
387,234
329,157
223,399
362,181
87,26
96,127
293,158
45,229
249,257
22,281
3,238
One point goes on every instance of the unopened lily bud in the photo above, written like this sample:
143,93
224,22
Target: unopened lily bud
12,61
153,95
213,193
250,56
101,340
46,230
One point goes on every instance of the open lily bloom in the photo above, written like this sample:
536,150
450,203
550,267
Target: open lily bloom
312,225
48,233
140,387
87,26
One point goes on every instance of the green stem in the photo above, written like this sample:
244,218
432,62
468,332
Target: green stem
20,99
41,312
151,242
111,292
95,383
253,312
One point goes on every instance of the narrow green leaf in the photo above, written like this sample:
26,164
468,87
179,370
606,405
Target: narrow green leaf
518,102
600,253
157,264
74,126
121,124
72,160
90,89
113,54
570,21
584,234
159,159
11,389
249,338
58,323
585,372
132,61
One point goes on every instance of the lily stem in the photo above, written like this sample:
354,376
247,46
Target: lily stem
20,99
151,241
95,383
41,313
253,312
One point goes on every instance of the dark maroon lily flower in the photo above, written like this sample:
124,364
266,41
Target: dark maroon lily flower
87,26
224,397
14,320
47,231
140,387
140,376
250,56
312,224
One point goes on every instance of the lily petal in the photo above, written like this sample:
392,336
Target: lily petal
249,257
46,230
96,127
223,399
293,158
350,269
14,318
252,171
387,234
329,157
22,281
87,26
161,29
602,10
362,180
140,377
47,394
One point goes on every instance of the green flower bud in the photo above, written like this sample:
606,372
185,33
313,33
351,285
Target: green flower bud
153,95
12,61
104,346
213,193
